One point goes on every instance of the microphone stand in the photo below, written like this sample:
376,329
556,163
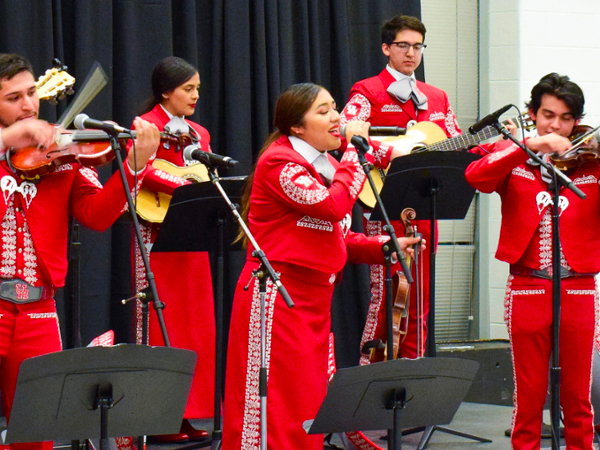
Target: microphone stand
362,146
264,272
558,178
156,303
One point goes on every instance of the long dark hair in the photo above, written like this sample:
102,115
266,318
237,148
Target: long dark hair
167,75
290,109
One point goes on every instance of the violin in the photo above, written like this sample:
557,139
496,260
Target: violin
401,300
585,148
86,147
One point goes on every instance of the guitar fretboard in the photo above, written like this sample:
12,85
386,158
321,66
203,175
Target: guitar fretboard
461,142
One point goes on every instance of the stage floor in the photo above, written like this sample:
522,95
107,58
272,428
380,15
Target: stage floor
483,420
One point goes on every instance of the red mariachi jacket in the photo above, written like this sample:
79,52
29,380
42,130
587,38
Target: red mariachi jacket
506,172
296,219
370,101
75,190
158,180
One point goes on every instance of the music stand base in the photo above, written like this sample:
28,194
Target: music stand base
428,433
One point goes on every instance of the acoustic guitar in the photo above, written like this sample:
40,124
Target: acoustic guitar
152,206
426,137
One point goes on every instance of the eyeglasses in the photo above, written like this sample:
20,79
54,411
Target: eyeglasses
404,46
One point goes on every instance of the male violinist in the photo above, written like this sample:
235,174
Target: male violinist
396,98
34,224
525,243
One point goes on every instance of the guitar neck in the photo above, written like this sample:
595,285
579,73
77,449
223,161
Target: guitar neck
463,141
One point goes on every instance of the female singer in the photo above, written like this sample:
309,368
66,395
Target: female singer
297,204
187,294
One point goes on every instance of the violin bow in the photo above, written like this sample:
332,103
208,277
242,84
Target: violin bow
93,84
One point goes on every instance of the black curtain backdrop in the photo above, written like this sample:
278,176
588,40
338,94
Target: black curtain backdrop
247,53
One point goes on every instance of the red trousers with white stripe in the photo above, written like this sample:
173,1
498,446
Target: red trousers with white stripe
528,315
26,330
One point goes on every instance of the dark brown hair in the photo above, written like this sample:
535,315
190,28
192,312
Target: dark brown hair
561,87
391,28
290,109
11,65
167,75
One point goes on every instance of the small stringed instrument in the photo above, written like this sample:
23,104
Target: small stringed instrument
152,206
55,83
427,137
401,288
86,147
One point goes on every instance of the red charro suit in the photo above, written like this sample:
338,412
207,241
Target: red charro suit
31,329
303,228
525,243
188,295
370,101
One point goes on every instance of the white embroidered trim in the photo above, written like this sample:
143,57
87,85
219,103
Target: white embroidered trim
90,175
358,107
8,267
376,277
451,122
299,186
30,273
545,240
141,282
251,425
359,174
317,224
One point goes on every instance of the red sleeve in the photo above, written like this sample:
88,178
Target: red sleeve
97,207
487,173
365,249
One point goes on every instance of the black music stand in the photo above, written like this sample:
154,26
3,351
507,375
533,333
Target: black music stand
97,392
434,185
198,221
422,391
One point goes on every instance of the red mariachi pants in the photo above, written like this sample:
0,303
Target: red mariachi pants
528,315
26,330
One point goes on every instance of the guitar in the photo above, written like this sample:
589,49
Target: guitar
426,137
152,206
55,83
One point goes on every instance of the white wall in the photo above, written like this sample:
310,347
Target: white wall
521,41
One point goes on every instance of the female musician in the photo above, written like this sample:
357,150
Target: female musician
188,295
297,205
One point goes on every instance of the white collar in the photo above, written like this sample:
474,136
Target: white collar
399,75
305,150
169,114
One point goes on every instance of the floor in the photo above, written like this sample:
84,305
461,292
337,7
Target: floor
482,420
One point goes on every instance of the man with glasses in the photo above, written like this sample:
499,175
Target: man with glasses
396,98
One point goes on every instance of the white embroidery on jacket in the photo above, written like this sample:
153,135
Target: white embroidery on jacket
317,224
302,188
90,175
358,107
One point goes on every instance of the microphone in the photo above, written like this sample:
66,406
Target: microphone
207,158
82,122
488,120
379,131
